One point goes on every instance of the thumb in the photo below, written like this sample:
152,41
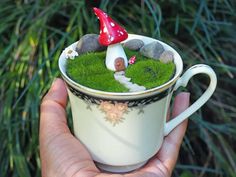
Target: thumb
61,153
52,111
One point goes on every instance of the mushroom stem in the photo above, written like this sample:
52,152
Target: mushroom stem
114,51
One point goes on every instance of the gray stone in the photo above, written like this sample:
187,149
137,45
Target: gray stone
120,73
167,57
121,77
152,50
89,43
134,44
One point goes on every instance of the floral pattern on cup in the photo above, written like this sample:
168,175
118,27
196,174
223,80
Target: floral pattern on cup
114,112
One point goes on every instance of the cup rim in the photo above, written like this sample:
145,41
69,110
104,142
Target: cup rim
103,94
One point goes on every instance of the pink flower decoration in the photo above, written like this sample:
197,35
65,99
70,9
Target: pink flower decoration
122,107
114,112
106,106
114,116
132,60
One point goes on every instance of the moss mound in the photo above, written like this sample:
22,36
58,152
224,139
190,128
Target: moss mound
150,73
90,70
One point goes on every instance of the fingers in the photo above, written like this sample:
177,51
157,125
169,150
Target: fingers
57,93
181,103
61,153
52,112
171,145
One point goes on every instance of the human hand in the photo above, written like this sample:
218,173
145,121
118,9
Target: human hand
62,155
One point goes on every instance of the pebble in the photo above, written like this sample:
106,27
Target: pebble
167,56
152,50
122,78
120,73
136,87
128,84
134,44
89,43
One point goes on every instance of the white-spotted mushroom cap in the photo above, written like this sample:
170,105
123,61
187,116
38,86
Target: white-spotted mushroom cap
110,31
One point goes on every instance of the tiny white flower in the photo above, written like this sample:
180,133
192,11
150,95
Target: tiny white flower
70,53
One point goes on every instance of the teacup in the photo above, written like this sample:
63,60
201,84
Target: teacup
122,131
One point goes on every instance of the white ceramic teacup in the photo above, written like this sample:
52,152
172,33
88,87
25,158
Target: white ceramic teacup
122,131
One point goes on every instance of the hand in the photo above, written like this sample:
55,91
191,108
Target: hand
62,155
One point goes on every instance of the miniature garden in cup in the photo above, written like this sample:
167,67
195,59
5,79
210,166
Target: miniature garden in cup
108,63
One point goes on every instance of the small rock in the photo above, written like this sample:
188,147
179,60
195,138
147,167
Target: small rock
152,50
126,79
136,87
121,78
89,43
120,73
167,56
128,84
134,44
123,82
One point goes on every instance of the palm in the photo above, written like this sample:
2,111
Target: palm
63,155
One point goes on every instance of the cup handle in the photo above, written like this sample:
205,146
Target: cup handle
183,81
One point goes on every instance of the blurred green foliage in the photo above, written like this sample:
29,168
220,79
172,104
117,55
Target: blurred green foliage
34,32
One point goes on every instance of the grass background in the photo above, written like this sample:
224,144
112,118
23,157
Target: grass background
34,32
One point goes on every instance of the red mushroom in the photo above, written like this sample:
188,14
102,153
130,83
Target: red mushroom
111,34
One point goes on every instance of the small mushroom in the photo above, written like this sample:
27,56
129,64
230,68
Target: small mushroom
132,60
111,34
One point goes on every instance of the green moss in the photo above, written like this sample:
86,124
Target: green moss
90,70
150,73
